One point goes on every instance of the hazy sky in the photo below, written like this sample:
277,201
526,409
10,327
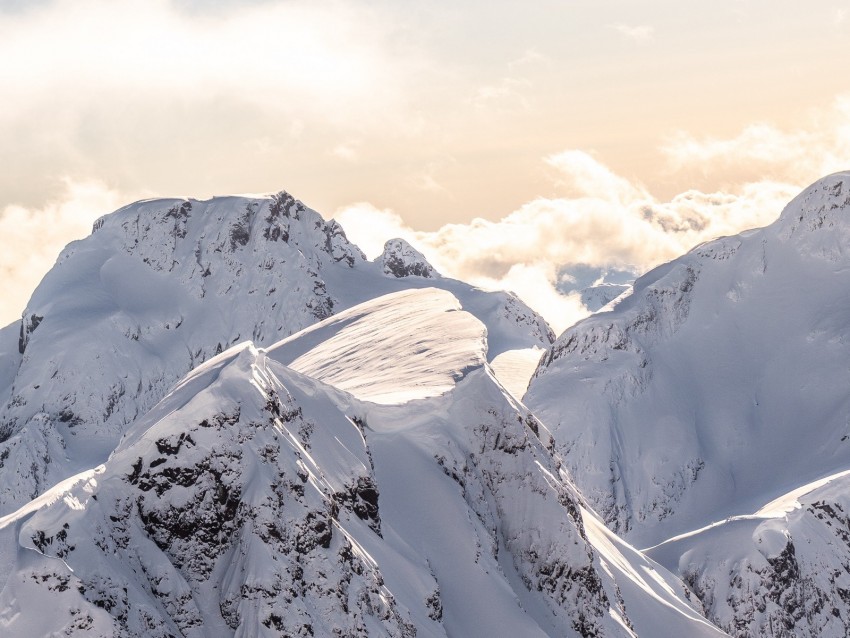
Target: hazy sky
511,141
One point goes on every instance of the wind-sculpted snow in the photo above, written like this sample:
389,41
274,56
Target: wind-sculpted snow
718,384
400,347
162,286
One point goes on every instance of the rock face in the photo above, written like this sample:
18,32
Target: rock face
255,500
161,286
400,259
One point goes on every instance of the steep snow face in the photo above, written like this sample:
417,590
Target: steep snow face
10,359
782,571
400,259
163,285
693,398
252,489
515,367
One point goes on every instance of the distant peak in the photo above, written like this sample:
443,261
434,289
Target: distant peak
400,259
820,205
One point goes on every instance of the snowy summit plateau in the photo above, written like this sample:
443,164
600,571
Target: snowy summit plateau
219,419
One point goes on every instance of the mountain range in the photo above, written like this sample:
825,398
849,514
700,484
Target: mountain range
218,418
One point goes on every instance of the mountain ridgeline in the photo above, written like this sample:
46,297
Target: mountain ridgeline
219,419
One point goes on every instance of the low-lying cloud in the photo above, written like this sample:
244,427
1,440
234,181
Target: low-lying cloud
820,145
597,227
606,223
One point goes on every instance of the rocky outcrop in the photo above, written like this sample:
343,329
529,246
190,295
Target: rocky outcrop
400,259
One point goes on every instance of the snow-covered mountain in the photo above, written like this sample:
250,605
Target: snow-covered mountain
219,419
398,490
161,286
695,414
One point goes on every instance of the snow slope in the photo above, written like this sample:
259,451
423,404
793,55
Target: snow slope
255,500
163,285
719,384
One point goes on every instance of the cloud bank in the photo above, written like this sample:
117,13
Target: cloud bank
607,224
596,226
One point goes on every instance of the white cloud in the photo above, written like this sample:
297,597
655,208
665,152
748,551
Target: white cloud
817,146
639,33
370,227
607,222
533,284
261,52
508,92
32,239
529,57
583,175
346,151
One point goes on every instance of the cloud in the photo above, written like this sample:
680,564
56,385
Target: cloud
817,146
530,57
370,227
606,223
34,237
639,33
508,92
583,175
346,151
146,93
292,57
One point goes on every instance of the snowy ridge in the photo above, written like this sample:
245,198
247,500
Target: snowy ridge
403,346
212,522
711,409
597,297
360,463
783,571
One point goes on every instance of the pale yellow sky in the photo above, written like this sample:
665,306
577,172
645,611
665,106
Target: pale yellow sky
435,113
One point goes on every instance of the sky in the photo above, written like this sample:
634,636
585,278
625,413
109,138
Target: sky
535,146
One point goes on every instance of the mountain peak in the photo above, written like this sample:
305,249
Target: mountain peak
175,232
400,259
824,206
